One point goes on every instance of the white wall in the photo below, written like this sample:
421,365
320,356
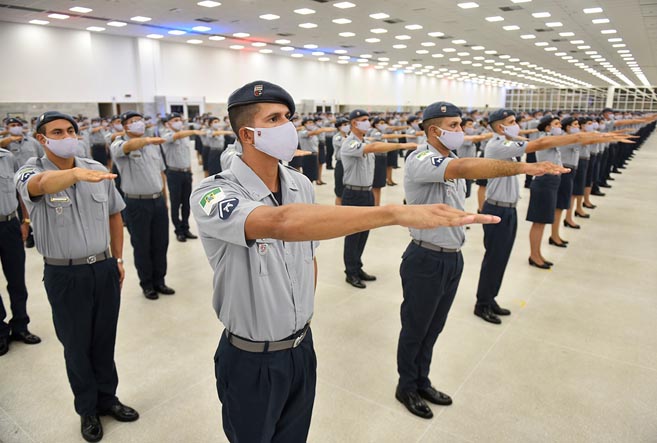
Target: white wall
58,65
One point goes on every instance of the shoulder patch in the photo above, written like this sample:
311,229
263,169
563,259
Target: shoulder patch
226,207
25,173
354,144
436,161
210,200
423,154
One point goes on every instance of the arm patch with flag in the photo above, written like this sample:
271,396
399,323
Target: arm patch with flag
210,200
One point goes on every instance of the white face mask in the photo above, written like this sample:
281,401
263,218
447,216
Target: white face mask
344,129
556,131
574,130
279,142
382,127
215,126
176,126
137,127
469,131
596,126
118,127
95,124
452,140
512,131
16,130
64,148
415,126
364,125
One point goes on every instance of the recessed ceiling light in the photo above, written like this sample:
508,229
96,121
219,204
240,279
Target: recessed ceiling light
459,42
623,51
383,59
195,41
155,36
511,28
346,34
209,4
341,21
340,51
554,24
566,34
399,46
80,9
95,29
463,54
59,16
413,27
241,34
140,18
311,46
304,11
379,16
270,17
437,55
236,47
584,47
259,44
217,38
343,62
372,40
504,57
403,62
616,39
436,34
265,51
592,10
287,48
608,31
577,42
296,55
177,32
202,28
323,59
427,44
117,24
308,25
344,5
344,57
403,37
539,44
478,48
495,18
490,52
467,5
541,15
591,52
527,36
365,56
316,53
449,50
39,22
619,45
378,31
559,54
600,21
454,59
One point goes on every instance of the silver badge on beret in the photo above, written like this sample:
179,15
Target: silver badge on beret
257,90
443,109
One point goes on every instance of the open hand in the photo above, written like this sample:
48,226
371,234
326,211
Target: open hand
300,153
92,176
542,168
156,140
433,216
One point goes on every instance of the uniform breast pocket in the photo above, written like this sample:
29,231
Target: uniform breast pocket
100,206
60,209
6,182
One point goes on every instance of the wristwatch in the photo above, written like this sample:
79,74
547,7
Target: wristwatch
119,261
26,221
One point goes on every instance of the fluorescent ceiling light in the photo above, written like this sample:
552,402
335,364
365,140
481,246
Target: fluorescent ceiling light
270,17
177,32
379,16
140,18
259,44
449,50
421,51
554,24
592,10
304,11
311,46
341,21
346,34
608,31
619,45
194,41
399,46
584,47
539,44
365,56
436,34
437,55
511,28
527,36
217,38
567,34
616,39
39,22
427,44
378,31
477,48
344,5
236,47
468,5
80,9
308,25
241,34
490,52
209,4
282,41
459,42
59,16
541,15
95,29
373,40
413,27
623,51
504,57
600,21
495,18
296,55
202,28
156,36
403,37
577,42
343,62
340,51
287,48
344,57
316,53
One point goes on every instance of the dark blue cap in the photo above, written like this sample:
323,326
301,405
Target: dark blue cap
261,92
568,121
607,110
358,113
411,119
129,114
545,121
340,121
440,110
173,115
14,120
500,114
115,117
50,116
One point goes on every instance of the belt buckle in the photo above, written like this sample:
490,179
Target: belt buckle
91,259
298,340
155,196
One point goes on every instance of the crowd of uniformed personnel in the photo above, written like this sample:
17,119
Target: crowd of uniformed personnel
253,215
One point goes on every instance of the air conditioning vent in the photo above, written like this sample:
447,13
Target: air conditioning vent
284,34
205,20
510,8
392,21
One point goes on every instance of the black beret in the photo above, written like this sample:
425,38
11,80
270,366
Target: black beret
357,113
212,118
584,120
115,117
49,116
129,114
14,120
568,121
545,121
411,119
96,119
378,120
261,92
465,120
340,121
306,120
173,115
439,110
500,114
607,110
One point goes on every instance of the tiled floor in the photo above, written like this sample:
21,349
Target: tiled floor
576,362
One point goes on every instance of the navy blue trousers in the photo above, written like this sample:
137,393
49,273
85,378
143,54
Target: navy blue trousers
354,244
148,224
12,256
180,189
498,242
429,281
85,303
266,397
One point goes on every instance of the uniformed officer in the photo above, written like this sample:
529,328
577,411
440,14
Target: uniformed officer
257,222
432,264
140,163
179,173
309,141
343,126
12,254
214,136
358,161
229,154
75,210
99,147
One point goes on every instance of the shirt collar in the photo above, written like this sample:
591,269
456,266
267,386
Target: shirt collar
254,186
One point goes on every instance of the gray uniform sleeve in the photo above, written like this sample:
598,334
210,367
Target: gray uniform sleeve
353,149
168,136
505,150
426,167
116,149
116,203
21,179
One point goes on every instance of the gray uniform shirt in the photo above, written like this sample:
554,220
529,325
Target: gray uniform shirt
141,170
263,289
73,223
25,149
467,149
213,141
338,139
229,154
308,143
358,166
176,152
8,167
549,155
570,155
97,138
504,189
424,183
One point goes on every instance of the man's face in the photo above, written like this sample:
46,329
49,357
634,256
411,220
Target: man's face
452,124
57,130
268,115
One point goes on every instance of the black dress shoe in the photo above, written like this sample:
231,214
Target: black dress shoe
541,266
26,337
365,276
164,289
189,235
577,214
91,428
435,396
181,238
568,225
121,412
151,294
611,179
4,345
598,193
604,185
486,314
498,310
559,245
414,403
355,281
589,206
549,263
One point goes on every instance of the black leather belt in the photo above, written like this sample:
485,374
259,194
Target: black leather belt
432,247
358,188
6,218
144,196
179,169
78,261
267,346
501,204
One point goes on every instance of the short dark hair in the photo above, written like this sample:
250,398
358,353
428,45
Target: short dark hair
432,122
241,116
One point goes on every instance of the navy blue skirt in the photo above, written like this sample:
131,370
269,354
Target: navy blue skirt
580,177
591,170
543,199
322,153
380,165
338,174
393,159
566,189
310,166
